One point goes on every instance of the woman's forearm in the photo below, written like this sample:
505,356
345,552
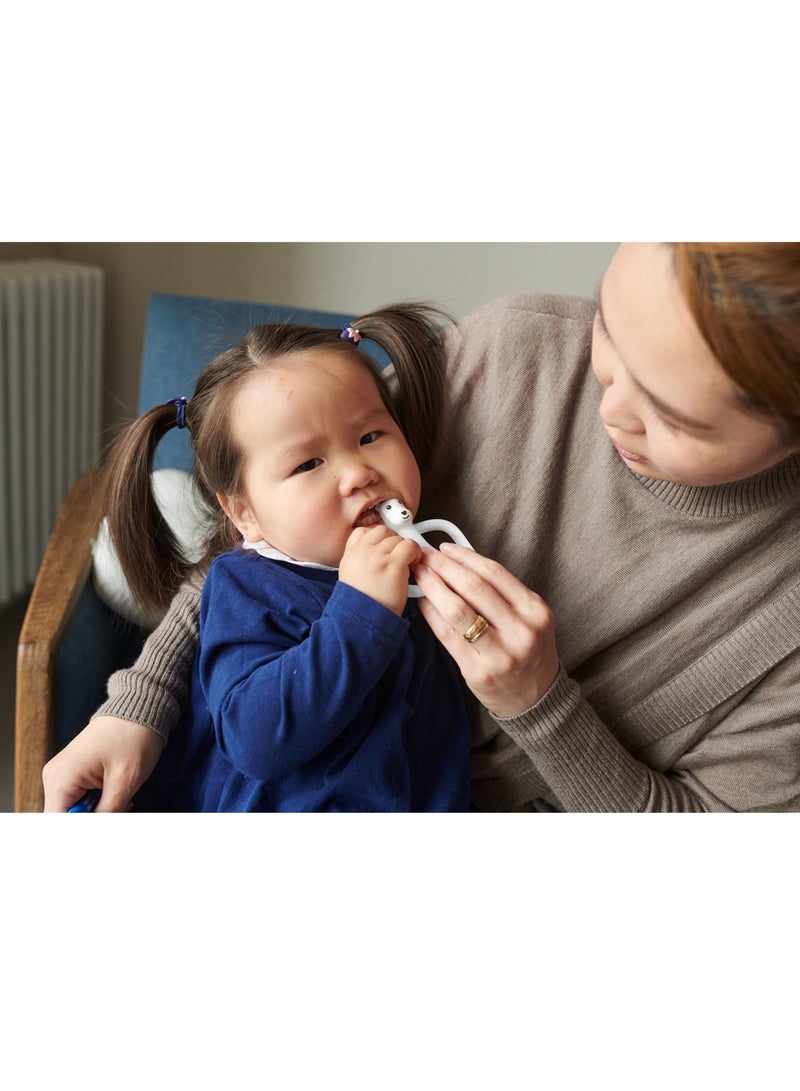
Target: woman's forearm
154,691
584,765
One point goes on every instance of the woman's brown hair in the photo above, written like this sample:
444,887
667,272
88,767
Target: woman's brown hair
745,299
150,557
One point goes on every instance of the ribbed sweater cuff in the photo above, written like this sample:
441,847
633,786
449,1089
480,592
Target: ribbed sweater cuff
134,708
576,754
153,691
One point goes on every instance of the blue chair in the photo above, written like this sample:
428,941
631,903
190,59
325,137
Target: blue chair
71,641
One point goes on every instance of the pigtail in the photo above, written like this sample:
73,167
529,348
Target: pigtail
410,334
148,552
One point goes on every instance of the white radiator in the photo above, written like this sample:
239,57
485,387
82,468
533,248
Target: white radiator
51,326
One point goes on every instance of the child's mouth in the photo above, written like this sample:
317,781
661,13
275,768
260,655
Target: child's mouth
369,518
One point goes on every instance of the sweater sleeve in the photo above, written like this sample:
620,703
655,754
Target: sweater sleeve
745,757
583,764
154,691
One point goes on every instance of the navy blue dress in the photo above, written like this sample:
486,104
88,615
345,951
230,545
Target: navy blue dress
308,695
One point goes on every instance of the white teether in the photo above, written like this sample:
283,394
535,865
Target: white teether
398,518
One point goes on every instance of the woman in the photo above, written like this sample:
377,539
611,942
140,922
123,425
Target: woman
633,467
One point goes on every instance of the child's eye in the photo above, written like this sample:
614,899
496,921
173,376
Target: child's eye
304,467
370,437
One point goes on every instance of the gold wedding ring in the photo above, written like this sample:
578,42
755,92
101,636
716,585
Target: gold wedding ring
476,629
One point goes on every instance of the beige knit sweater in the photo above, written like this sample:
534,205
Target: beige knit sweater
677,607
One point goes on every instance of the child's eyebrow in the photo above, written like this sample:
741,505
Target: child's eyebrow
303,443
291,449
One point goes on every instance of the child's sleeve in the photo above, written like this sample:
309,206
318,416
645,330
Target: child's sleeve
277,701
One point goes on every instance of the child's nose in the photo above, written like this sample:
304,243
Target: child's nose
357,473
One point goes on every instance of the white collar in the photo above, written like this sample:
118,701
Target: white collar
266,550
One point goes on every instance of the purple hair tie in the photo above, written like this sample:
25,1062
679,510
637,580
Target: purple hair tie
180,415
350,334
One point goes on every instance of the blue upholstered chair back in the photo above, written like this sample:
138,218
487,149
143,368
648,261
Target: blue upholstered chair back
182,334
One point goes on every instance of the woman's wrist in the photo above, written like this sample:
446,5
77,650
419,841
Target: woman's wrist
529,708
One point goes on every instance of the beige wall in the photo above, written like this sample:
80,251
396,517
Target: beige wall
335,276
457,276
134,271
11,250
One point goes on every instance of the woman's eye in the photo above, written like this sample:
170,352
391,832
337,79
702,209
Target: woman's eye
304,467
666,424
370,437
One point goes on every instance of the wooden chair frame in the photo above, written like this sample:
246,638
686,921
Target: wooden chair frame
62,575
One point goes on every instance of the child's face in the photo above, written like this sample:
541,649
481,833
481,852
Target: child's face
320,450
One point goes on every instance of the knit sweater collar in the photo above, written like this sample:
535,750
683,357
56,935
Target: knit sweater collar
752,494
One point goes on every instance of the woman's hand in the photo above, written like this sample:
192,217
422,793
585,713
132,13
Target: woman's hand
378,562
513,663
115,755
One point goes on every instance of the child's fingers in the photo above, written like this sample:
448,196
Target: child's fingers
406,551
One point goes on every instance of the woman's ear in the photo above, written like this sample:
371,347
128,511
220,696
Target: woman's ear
242,516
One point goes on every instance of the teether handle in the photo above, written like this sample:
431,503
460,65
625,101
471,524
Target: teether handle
398,519
446,527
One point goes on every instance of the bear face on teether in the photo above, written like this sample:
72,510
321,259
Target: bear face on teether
394,514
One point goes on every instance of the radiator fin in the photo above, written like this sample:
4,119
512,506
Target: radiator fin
51,329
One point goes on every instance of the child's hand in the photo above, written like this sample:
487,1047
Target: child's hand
377,561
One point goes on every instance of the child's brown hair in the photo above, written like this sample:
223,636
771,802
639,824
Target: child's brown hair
149,554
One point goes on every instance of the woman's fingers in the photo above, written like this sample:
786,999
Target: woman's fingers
453,613
479,585
512,663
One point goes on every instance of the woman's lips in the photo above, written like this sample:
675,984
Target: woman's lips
627,454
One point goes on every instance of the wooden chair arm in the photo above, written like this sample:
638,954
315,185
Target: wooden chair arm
62,575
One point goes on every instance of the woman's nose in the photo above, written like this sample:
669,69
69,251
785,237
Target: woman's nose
618,408
617,411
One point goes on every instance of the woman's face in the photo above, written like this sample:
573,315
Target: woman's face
669,408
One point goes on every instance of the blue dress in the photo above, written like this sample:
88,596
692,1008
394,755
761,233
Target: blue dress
307,695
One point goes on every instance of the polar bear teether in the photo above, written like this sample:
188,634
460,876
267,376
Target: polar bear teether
398,518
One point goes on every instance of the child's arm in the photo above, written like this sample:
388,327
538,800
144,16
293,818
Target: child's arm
283,678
